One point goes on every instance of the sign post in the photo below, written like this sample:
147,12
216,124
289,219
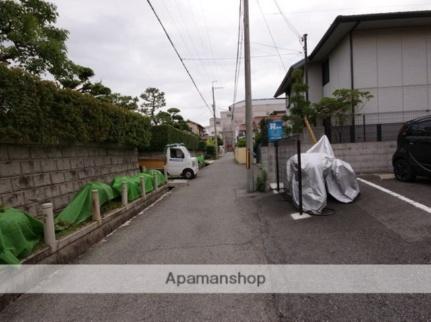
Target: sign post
276,133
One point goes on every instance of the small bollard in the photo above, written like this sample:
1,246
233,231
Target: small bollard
156,183
48,226
96,206
143,192
124,196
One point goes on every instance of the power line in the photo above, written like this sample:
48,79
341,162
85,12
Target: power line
178,54
270,34
226,58
215,69
288,23
280,48
182,26
238,58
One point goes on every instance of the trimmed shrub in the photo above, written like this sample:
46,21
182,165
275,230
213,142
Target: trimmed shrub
37,111
261,180
210,152
162,135
241,143
202,146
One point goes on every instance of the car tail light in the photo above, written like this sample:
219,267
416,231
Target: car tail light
403,130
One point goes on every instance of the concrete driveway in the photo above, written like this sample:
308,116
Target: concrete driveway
214,221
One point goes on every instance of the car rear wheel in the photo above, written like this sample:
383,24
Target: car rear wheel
403,170
188,174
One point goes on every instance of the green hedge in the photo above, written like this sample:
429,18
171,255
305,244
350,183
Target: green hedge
166,134
210,151
36,111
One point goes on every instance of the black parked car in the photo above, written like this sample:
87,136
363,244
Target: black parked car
413,155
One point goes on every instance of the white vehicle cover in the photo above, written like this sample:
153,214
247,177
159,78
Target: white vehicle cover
322,173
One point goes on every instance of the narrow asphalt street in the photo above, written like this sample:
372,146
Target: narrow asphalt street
209,221
214,221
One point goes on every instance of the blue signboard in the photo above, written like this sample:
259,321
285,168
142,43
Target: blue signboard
275,130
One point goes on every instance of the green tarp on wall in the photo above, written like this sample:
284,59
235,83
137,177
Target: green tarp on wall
148,181
133,187
19,234
160,176
134,183
80,208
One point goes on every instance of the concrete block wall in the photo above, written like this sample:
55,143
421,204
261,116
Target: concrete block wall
32,175
366,157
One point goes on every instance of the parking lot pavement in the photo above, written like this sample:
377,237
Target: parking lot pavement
376,229
419,191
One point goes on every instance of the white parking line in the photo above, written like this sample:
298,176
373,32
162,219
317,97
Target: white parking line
398,196
298,216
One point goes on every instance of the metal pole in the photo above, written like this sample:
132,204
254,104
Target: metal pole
364,128
248,106
352,87
277,166
215,125
304,38
298,151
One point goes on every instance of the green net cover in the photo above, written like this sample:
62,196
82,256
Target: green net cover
160,176
148,181
133,187
19,235
80,208
201,160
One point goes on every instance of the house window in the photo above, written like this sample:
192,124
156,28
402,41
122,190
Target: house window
325,72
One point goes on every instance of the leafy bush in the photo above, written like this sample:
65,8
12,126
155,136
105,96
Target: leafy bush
36,111
210,151
201,161
261,180
241,143
202,146
166,134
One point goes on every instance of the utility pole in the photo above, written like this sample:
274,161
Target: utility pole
215,122
248,106
307,123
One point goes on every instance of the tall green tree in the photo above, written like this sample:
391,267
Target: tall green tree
299,107
173,118
340,105
127,102
153,100
30,39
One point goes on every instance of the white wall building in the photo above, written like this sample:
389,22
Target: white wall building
233,120
210,128
387,54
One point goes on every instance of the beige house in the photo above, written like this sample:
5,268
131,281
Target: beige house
387,54
196,128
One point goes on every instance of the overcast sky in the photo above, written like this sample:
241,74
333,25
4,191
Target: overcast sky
126,47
